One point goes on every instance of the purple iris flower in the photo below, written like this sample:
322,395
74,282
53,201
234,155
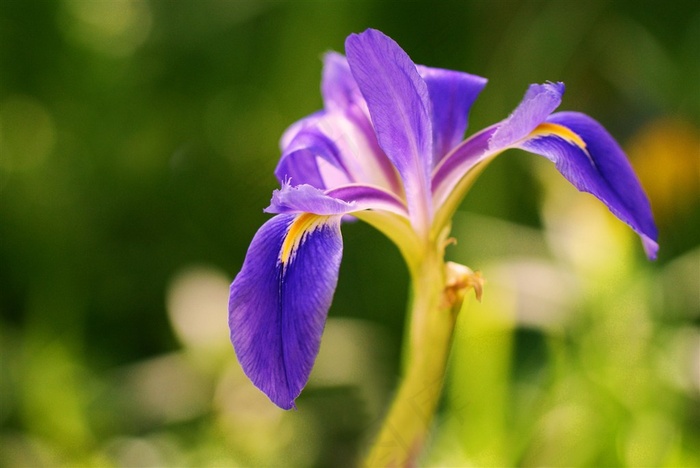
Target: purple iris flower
388,148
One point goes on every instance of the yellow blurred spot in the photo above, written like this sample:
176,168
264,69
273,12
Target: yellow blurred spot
27,133
258,430
116,27
197,300
545,292
131,451
666,156
649,440
584,233
680,361
568,435
350,356
53,395
167,388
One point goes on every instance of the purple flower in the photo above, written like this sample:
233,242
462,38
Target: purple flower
387,148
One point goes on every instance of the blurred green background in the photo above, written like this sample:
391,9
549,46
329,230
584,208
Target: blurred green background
137,144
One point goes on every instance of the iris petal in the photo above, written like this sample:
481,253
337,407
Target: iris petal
347,124
352,133
306,199
280,299
458,163
338,85
399,105
367,197
600,168
338,145
452,94
582,150
311,158
291,132
538,103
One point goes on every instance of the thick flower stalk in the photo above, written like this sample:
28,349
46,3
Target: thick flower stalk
388,148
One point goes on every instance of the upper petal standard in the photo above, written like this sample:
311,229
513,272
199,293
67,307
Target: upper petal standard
452,94
399,105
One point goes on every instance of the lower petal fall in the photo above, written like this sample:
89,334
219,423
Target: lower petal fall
588,157
280,300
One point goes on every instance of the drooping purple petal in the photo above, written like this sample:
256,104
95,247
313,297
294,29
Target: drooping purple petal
538,103
306,199
399,106
588,157
280,299
452,94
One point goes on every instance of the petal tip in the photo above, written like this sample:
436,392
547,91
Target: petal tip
651,247
284,404
539,102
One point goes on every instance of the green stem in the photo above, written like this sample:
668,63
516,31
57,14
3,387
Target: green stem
438,292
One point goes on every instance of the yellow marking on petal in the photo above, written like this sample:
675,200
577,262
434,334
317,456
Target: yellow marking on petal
303,225
552,129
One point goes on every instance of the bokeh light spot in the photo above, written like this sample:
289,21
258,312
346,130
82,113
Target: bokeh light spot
197,302
666,155
114,28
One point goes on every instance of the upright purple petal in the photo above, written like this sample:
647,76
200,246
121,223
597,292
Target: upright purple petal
538,103
280,299
336,146
399,105
352,133
338,86
452,94
588,157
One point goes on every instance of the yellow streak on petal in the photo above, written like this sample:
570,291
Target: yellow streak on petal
304,224
549,129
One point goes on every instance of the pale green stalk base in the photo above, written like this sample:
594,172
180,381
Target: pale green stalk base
438,291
